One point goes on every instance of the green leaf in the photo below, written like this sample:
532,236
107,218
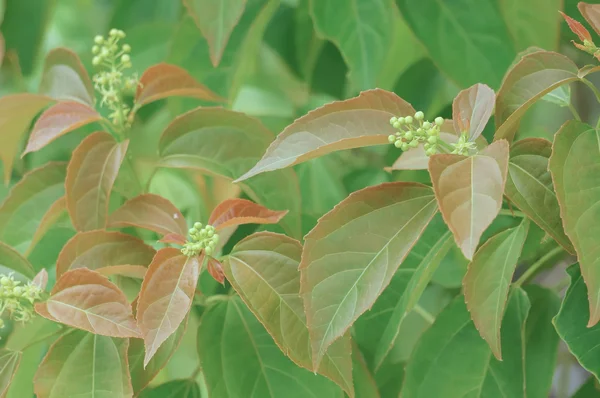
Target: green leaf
560,96
589,389
572,325
451,360
84,365
13,261
240,359
216,21
469,191
9,363
469,40
361,30
357,122
488,279
185,388
574,166
25,207
364,383
533,22
263,269
352,254
534,76
529,186
541,341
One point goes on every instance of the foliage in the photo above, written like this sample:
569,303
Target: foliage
436,169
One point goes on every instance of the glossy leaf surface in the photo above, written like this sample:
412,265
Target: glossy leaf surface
232,212
472,109
13,261
65,78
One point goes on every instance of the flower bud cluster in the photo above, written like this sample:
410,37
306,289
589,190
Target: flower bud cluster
202,238
18,299
110,82
414,130
463,146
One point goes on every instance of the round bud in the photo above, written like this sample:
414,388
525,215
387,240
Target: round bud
413,144
121,34
408,135
198,225
125,58
210,233
5,281
98,39
432,140
439,121
408,120
405,146
18,291
126,48
215,239
420,131
104,52
398,144
419,115
393,120
96,61
432,132
426,125
427,146
391,138
114,32
397,124
430,152
208,251
95,50
193,231
401,120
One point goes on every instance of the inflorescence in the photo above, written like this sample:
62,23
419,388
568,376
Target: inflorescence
18,299
110,82
416,130
201,239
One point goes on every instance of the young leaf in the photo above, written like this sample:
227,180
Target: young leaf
577,28
216,21
13,261
86,300
364,238
59,120
529,186
451,360
127,270
572,325
41,279
166,296
232,212
471,110
534,76
488,279
184,388
65,78
215,269
469,191
91,174
16,113
9,363
415,283
23,211
97,249
357,122
591,13
239,357
266,262
86,365
165,80
151,212
574,166
362,32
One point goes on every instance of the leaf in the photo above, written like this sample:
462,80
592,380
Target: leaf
533,23
232,212
574,165
239,359
488,280
263,269
469,191
361,31
591,13
572,325
166,296
58,120
529,186
534,76
216,22
86,300
152,212
84,365
357,122
364,238
13,261
142,376
451,359
471,110
65,78
184,388
415,283
215,269
166,80
56,212
577,28
9,363
98,249
16,113
91,174
469,50
129,271
364,382
23,211
41,279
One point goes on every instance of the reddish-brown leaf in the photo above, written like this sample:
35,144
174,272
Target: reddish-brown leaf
151,212
215,269
16,113
173,238
165,80
130,271
84,299
591,13
472,108
577,28
166,296
59,120
41,279
241,211
90,177
65,78
98,249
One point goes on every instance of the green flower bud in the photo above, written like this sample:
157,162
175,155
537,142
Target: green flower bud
198,225
210,233
193,231
113,32
405,146
419,115
96,60
439,121
433,139
18,291
408,135
420,131
391,138
216,239
413,143
432,132
208,251
98,39
393,120
426,125
401,120
125,58
126,48
5,281
430,152
408,120
397,124
398,144
95,50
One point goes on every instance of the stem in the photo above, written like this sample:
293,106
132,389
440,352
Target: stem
574,112
196,372
424,314
537,265
592,87
444,145
512,213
